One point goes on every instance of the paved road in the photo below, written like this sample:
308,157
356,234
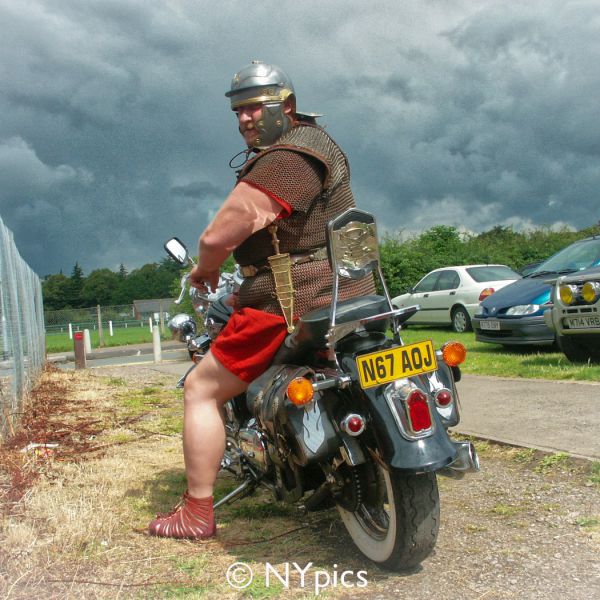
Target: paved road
548,415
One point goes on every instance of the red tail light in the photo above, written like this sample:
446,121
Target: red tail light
485,293
443,398
418,411
353,424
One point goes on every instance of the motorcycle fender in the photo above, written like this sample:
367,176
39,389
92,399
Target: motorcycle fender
427,454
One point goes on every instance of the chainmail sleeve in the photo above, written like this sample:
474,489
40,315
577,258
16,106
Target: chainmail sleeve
300,178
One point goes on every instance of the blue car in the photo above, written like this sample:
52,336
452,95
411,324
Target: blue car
514,315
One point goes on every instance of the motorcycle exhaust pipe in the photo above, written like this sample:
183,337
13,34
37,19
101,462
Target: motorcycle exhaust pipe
466,461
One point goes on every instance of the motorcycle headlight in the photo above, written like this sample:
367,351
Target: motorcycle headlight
523,309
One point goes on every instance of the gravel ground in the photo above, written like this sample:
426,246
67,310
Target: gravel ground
526,526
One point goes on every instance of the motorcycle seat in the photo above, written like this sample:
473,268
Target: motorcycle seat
312,327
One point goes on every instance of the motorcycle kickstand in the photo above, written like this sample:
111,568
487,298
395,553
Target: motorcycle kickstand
246,488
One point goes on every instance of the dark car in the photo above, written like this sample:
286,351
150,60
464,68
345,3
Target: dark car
514,315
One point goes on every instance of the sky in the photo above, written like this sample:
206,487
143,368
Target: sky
115,133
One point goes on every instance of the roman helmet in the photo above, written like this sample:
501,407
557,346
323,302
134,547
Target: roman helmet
270,86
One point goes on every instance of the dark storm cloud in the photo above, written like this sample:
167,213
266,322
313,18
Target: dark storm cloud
115,133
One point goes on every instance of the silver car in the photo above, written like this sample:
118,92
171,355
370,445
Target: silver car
451,295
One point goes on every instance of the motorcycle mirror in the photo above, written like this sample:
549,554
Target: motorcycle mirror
176,249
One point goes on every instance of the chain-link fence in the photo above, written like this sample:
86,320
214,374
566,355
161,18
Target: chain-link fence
58,321
22,335
107,325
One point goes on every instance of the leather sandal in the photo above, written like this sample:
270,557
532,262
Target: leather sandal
192,518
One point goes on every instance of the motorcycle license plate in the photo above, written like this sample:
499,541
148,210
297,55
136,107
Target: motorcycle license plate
396,363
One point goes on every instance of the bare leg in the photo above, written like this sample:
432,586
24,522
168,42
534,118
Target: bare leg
206,390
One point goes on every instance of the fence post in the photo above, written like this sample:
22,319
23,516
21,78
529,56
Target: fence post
110,329
70,331
87,341
150,323
161,318
100,333
156,345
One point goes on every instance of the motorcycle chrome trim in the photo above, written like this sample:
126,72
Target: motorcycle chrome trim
398,392
341,382
341,330
253,446
351,452
466,461
213,328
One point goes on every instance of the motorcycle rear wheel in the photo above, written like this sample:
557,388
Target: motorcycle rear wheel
399,530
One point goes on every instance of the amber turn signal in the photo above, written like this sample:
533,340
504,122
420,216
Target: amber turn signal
454,353
300,391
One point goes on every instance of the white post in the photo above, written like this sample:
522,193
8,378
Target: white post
150,323
70,331
87,342
156,344
110,331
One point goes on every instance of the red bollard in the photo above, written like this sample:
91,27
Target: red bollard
79,349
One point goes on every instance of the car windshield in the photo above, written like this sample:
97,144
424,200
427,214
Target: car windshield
492,273
577,256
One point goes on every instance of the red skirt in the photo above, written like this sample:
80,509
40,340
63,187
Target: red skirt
247,344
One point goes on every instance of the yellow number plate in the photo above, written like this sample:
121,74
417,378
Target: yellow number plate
396,363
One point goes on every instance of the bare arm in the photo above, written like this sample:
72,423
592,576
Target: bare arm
245,211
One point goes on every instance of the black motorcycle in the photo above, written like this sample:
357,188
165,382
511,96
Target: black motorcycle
351,417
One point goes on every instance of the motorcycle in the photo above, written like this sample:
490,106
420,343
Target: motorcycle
348,417
184,327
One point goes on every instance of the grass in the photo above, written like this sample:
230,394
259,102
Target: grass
594,476
496,360
60,342
79,529
549,463
588,522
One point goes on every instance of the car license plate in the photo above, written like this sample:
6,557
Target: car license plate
495,325
396,363
583,322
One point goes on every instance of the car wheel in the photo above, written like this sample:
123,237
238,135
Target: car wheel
461,321
577,350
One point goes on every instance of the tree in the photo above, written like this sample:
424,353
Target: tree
55,289
73,296
99,287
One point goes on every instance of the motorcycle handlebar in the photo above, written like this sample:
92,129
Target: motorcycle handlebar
228,283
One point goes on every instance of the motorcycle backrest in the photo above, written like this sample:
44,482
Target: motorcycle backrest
352,244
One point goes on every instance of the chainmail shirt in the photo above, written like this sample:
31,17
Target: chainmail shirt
308,174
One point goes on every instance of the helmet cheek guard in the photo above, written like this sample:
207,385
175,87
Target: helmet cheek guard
272,124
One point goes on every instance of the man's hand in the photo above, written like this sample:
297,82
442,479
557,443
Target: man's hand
203,280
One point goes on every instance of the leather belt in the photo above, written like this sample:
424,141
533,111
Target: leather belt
297,259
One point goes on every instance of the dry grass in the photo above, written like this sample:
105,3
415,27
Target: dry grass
74,526
77,528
